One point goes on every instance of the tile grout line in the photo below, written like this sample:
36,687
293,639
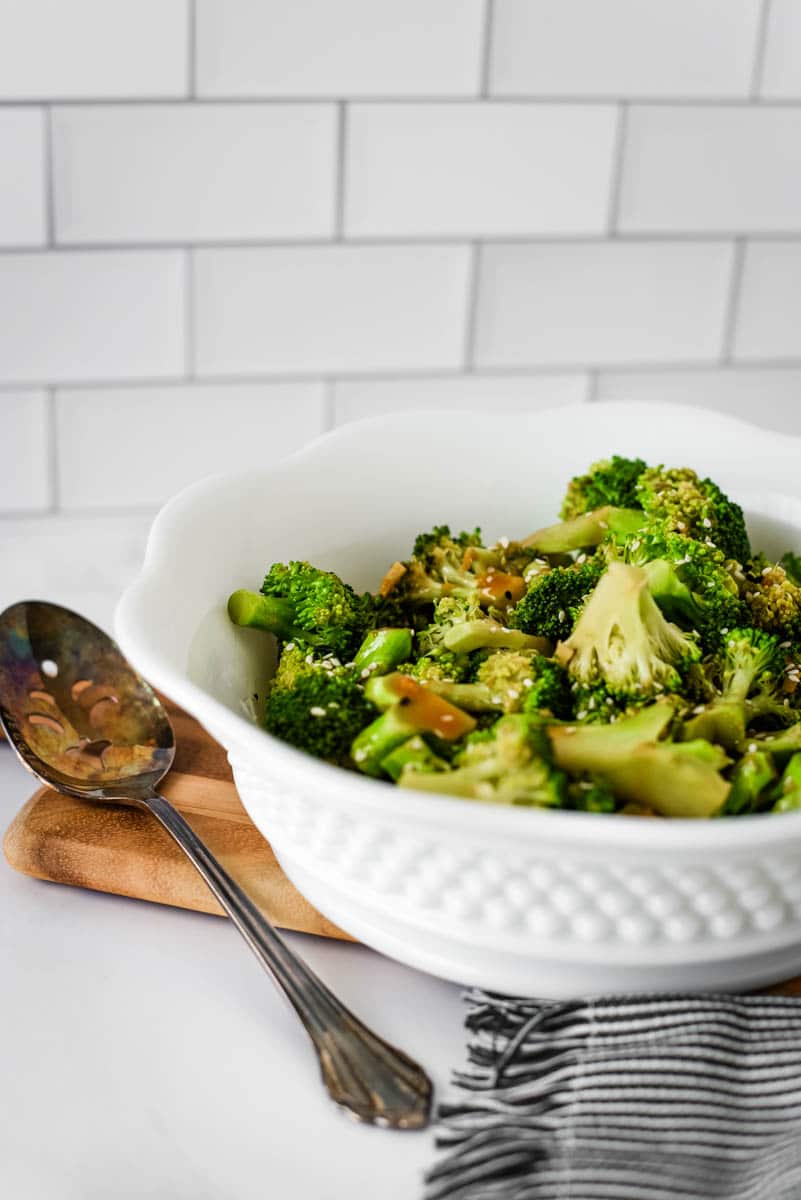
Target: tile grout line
533,98
618,163
416,241
733,301
54,475
339,181
486,49
50,197
760,49
471,309
409,374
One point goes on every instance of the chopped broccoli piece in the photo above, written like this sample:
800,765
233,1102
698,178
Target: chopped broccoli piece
490,635
782,745
622,640
774,602
751,661
412,755
325,612
382,650
686,504
316,705
501,765
591,795
611,481
511,681
675,780
587,530
789,789
792,566
751,781
554,599
409,708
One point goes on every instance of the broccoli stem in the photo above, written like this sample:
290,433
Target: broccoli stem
790,787
750,778
416,710
482,635
382,650
587,748
590,529
254,611
413,755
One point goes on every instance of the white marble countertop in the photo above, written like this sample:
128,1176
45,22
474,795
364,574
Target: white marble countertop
145,1053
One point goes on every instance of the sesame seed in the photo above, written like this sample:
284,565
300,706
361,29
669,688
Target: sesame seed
504,542
309,658
707,524
699,708
316,711
582,558
560,615
784,645
513,693
446,717
767,570
752,746
360,755
527,683
289,646
581,715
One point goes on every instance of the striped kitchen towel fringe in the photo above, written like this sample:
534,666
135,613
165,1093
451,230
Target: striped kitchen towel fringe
625,1098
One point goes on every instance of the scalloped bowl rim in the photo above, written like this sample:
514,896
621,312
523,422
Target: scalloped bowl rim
615,831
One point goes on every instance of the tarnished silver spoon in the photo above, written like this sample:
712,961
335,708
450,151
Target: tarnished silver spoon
86,724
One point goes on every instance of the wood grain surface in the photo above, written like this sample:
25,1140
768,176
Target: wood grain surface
109,848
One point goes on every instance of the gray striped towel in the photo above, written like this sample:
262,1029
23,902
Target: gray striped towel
625,1098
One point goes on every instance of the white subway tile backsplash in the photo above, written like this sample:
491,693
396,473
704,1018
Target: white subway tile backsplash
357,398
24,478
331,308
769,397
710,170
80,562
601,302
781,68
172,436
478,169
350,48
86,316
22,194
769,309
175,172
626,48
87,48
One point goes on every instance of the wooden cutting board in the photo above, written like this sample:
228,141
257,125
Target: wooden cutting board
125,850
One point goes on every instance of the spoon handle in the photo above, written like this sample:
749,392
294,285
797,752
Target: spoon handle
364,1074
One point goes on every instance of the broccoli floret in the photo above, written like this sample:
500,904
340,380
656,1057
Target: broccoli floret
316,705
408,708
611,481
501,765
591,795
588,530
554,599
751,661
622,640
789,788
774,602
792,566
305,604
689,581
674,780
511,681
684,503
442,565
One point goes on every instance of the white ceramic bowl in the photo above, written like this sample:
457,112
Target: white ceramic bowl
518,900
